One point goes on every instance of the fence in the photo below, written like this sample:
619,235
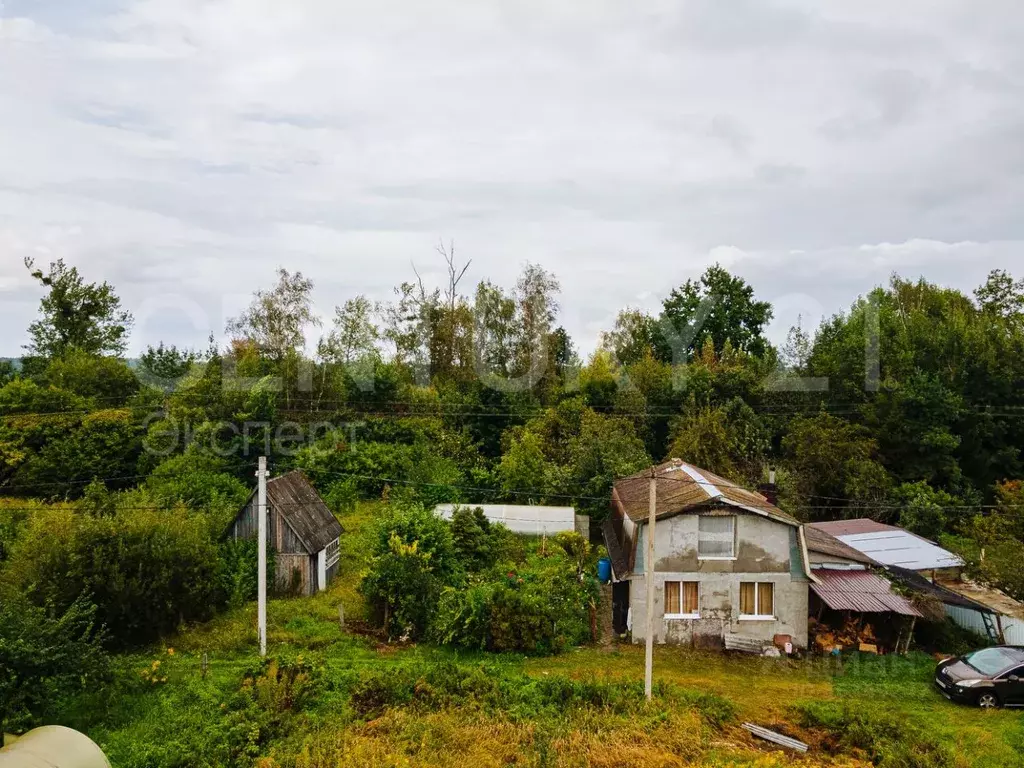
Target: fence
1013,629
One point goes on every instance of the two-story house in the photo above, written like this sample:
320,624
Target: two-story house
730,568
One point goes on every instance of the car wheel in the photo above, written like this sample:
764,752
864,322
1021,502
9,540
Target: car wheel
988,700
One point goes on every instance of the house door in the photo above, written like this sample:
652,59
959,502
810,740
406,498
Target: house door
620,606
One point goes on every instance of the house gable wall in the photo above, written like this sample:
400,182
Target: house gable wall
766,551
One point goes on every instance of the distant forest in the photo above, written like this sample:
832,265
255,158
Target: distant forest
907,408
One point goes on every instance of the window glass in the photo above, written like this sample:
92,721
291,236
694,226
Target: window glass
766,599
690,597
716,536
672,597
748,595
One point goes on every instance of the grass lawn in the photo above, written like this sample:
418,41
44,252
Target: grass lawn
340,699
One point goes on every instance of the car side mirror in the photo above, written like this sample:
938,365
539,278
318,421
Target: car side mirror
1014,678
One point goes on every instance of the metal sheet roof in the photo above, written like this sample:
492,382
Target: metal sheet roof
902,549
860,591
825,544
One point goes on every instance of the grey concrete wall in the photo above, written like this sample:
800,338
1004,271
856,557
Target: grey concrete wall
762,554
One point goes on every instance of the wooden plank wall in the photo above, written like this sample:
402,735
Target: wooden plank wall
280,536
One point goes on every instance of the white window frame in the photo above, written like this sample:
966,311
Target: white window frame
680,582
757,616
717,557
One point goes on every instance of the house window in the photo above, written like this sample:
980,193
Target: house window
757,600
716,537
332,554
681,600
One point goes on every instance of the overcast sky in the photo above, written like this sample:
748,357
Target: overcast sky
183,149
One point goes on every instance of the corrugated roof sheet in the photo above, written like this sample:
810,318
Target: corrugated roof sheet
304,510
860,591
823,543
682,487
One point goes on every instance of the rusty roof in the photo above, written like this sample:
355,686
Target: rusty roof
682,487
860,591
997,601
303,509
826,544
853,527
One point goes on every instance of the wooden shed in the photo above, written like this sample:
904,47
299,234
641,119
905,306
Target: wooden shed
301,530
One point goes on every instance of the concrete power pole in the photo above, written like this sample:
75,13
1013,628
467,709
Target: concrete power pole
652,504
261,571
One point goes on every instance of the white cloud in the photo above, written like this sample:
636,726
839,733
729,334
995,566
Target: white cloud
187,148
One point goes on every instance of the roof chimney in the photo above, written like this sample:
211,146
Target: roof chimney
768,490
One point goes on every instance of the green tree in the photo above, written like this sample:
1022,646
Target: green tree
729,440
926,511
834,467
107,379
276,319
633,338
719,306
523,468
165,367
75,314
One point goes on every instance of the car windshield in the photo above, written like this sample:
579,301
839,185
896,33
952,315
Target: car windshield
990,661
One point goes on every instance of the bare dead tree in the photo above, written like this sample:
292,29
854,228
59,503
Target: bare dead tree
455,274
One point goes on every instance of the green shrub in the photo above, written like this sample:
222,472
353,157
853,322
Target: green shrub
45,657
886,738
412,560
147,571
238,571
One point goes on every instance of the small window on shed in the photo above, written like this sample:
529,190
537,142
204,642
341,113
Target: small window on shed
716,537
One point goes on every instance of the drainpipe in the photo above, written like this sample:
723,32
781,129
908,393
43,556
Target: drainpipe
805,557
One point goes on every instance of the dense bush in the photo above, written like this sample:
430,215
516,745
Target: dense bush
238,571
887,739
412,559
541,606
45,657
147,571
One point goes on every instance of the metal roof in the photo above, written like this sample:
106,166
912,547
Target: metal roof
860,591
890,545
682,487
825,544
997,601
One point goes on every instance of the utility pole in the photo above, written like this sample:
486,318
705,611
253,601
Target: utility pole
261,571
652,503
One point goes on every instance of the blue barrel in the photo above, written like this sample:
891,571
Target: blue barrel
604,570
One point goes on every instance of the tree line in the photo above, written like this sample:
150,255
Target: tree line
905,407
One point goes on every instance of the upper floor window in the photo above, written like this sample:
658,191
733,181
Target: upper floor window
716,537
